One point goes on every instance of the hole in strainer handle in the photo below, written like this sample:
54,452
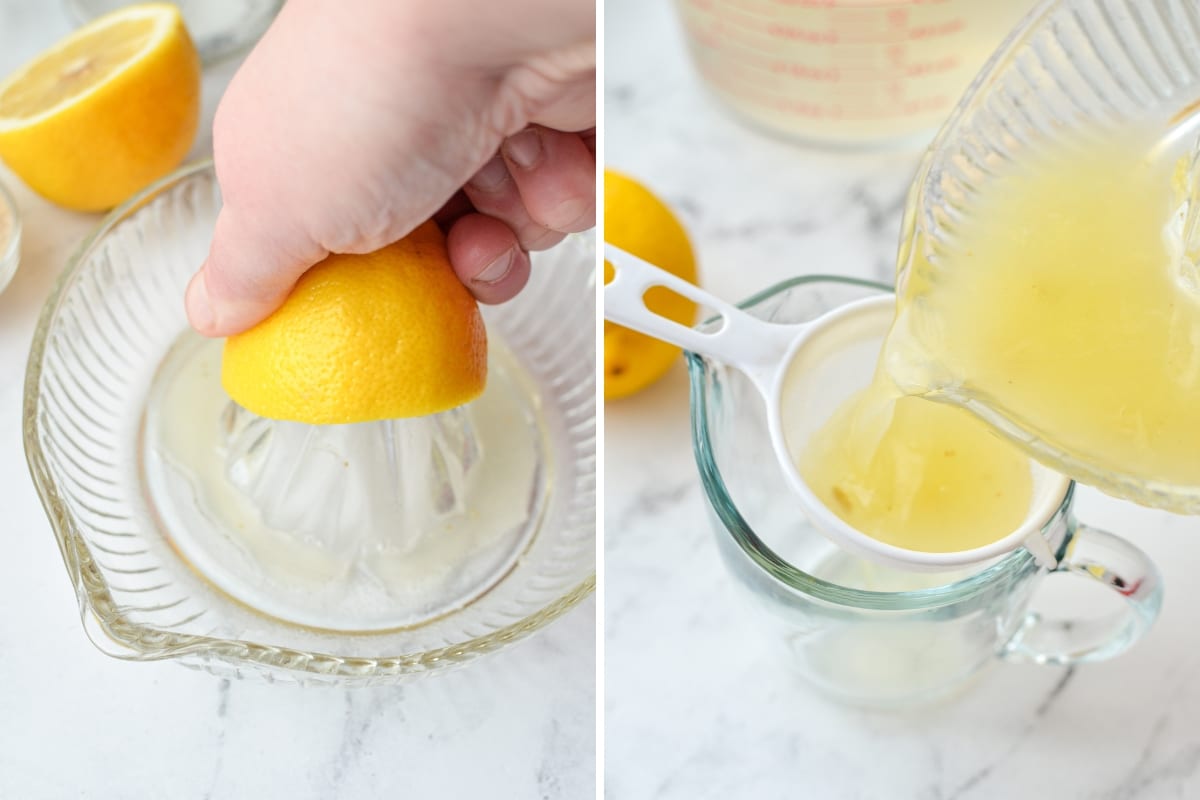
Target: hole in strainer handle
740,340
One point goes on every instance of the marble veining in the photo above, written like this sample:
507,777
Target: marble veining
699,706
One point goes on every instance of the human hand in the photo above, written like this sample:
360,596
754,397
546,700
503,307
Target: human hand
350,124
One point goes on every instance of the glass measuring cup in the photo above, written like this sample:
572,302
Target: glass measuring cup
1073,70
871,635
843,71
803,373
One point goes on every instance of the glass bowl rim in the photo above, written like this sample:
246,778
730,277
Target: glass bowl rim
778,568
142,642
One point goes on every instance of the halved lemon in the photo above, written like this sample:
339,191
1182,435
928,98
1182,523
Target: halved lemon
105,111
380,335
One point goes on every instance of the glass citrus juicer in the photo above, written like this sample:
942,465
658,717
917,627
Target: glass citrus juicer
362,553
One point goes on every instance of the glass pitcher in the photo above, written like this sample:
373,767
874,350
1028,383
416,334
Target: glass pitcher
1073,70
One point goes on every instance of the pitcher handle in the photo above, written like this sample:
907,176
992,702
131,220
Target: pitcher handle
1114,564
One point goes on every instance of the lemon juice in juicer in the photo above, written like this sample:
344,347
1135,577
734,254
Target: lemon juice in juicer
363,477
380,479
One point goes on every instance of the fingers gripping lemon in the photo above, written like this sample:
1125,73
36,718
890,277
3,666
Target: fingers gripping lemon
387,334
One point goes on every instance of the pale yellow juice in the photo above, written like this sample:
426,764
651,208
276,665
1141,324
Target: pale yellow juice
919,475
1066,303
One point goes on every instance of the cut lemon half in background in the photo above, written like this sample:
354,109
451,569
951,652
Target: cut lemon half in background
107,110
383,335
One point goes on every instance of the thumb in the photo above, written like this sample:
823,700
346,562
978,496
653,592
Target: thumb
246,276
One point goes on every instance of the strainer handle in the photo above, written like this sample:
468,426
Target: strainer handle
752,345
1119,567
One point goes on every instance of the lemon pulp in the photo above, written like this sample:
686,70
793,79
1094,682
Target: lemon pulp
110,108
78,66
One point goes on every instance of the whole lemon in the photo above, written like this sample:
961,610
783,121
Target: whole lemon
106,111
636,221
384,335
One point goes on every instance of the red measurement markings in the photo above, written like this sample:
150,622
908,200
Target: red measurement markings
731,46
806,72
938,66
862,75
946,28
920,33
845,108
795,33
758,7
910,107
850,26
727,14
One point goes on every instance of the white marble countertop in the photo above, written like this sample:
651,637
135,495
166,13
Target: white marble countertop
697,707
76,723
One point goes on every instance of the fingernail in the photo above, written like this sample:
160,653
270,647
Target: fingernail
497,270
491,177
574,215
199,306
525,148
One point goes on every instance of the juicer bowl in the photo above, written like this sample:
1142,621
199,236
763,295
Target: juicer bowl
115,318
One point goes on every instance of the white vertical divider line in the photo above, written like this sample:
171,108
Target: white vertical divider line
600,566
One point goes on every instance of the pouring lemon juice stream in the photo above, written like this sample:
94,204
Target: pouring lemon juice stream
1064,300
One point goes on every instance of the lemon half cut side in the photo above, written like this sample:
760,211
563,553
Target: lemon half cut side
109,109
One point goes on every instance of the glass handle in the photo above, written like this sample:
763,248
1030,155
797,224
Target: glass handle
1114,564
